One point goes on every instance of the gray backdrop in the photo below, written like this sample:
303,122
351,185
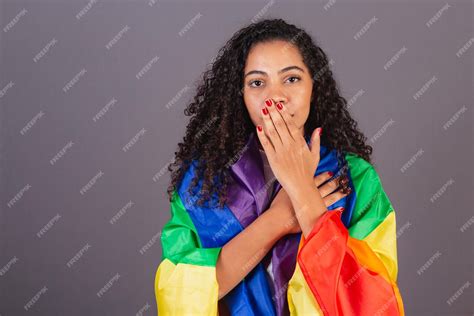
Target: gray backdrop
91,101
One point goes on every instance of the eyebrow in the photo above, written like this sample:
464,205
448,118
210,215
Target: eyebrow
281,71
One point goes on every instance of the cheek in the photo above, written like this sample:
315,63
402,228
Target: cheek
302,112
256,117
254,110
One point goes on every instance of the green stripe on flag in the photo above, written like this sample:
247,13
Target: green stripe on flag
372,204
180,240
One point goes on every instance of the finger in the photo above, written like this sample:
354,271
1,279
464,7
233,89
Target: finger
316,141
291,126
322,177
340,209
278,123
334,197
289,121
266,143
269,128
330,186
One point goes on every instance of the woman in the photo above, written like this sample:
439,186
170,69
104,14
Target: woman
276,208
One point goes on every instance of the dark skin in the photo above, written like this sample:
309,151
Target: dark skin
293,164
303,198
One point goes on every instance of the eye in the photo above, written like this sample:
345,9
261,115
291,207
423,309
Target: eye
254,81
259,82
294,77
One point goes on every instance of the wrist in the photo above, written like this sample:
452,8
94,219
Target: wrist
309,207
304,193
278,227
301,189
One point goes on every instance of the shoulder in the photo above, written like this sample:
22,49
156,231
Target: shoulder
372,203
362,170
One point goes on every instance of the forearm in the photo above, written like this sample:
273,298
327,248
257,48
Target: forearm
243,252
309,206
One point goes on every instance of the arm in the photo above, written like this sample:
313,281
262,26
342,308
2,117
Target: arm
243,252
186,281
309,207
351,271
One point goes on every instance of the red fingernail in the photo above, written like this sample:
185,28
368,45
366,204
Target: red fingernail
265,111
269,102
279,106
320,131
259,128
330,173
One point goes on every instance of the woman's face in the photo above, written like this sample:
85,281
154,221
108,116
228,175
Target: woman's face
275,70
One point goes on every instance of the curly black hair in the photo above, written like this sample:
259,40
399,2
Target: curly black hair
220,124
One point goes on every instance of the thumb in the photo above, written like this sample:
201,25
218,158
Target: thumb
315,140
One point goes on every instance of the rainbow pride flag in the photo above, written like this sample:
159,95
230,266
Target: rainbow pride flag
347,265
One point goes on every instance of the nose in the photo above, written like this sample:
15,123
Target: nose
276,92
281,99
277,97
